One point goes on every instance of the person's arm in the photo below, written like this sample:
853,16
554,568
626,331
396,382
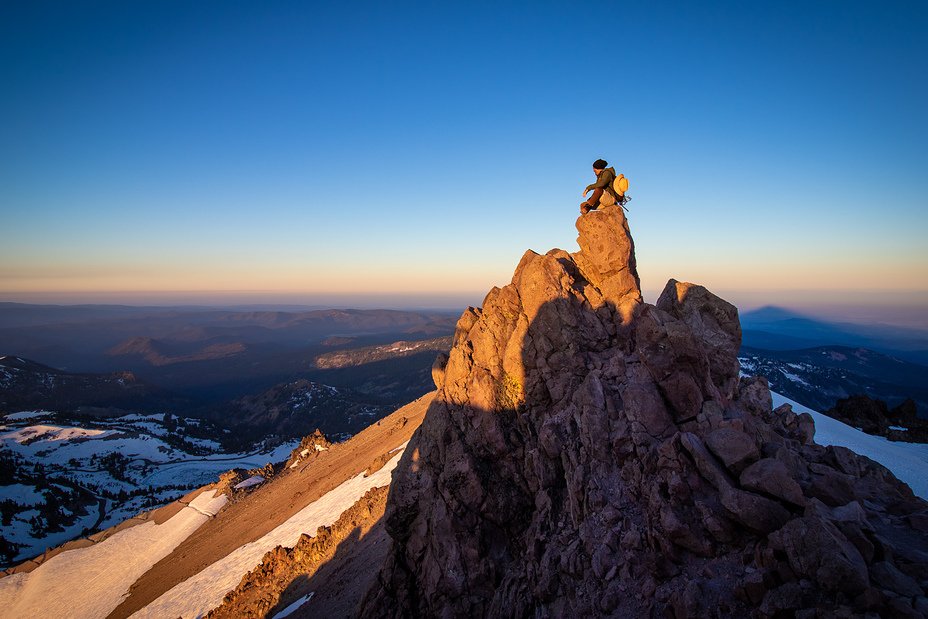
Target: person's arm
602,181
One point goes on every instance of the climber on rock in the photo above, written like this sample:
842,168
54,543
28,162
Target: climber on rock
603,191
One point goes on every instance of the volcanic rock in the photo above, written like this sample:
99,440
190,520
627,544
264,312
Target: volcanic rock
770,476
873,417
590,455
308,448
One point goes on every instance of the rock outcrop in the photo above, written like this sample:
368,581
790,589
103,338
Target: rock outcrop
308,449
873,416
592,455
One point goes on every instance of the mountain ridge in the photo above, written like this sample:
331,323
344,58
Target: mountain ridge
27,385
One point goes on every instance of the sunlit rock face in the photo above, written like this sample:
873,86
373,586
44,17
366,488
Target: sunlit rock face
592,455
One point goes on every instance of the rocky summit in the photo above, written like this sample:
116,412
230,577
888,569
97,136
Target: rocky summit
589,454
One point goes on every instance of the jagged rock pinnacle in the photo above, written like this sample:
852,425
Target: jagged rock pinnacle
592,455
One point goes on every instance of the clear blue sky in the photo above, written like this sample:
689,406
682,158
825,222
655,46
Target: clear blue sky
408,153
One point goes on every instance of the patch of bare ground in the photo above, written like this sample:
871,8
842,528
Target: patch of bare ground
256,514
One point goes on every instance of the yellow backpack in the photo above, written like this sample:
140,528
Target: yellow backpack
620,185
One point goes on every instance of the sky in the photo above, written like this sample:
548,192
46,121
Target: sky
406,154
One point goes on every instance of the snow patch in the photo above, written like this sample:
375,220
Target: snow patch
251,481
21,494
793,377
293,607
26,415
82,582
54,433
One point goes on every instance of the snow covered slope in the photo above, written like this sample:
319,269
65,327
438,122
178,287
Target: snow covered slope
83,583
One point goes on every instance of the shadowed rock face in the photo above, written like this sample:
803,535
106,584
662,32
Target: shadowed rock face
592,455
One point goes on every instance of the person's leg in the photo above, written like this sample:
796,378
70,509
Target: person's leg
593,203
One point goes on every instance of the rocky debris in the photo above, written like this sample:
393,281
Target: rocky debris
267,589
378,463
308,449
229,481
873,417
592,455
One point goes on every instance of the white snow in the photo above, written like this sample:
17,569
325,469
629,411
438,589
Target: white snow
26,415
794,378
22,494
82,583
907,461
204,591
292,608
52,433
251,481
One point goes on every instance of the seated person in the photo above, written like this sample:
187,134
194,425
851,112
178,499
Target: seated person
603,192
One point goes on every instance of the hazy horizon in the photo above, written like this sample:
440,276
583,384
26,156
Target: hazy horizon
913,314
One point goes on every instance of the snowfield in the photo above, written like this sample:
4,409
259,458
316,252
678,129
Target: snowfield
82,583
23,495
41,434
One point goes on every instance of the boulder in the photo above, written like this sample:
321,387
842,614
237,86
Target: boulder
819,552
734,448
771,477
714,322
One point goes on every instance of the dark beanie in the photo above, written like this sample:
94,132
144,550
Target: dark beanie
600,164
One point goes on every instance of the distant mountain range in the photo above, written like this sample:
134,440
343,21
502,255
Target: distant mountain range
27,385
211,356
817,362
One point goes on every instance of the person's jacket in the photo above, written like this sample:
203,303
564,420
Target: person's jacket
604,181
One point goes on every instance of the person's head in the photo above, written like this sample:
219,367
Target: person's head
599,165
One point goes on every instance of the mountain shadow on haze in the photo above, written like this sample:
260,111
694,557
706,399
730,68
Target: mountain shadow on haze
774,328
